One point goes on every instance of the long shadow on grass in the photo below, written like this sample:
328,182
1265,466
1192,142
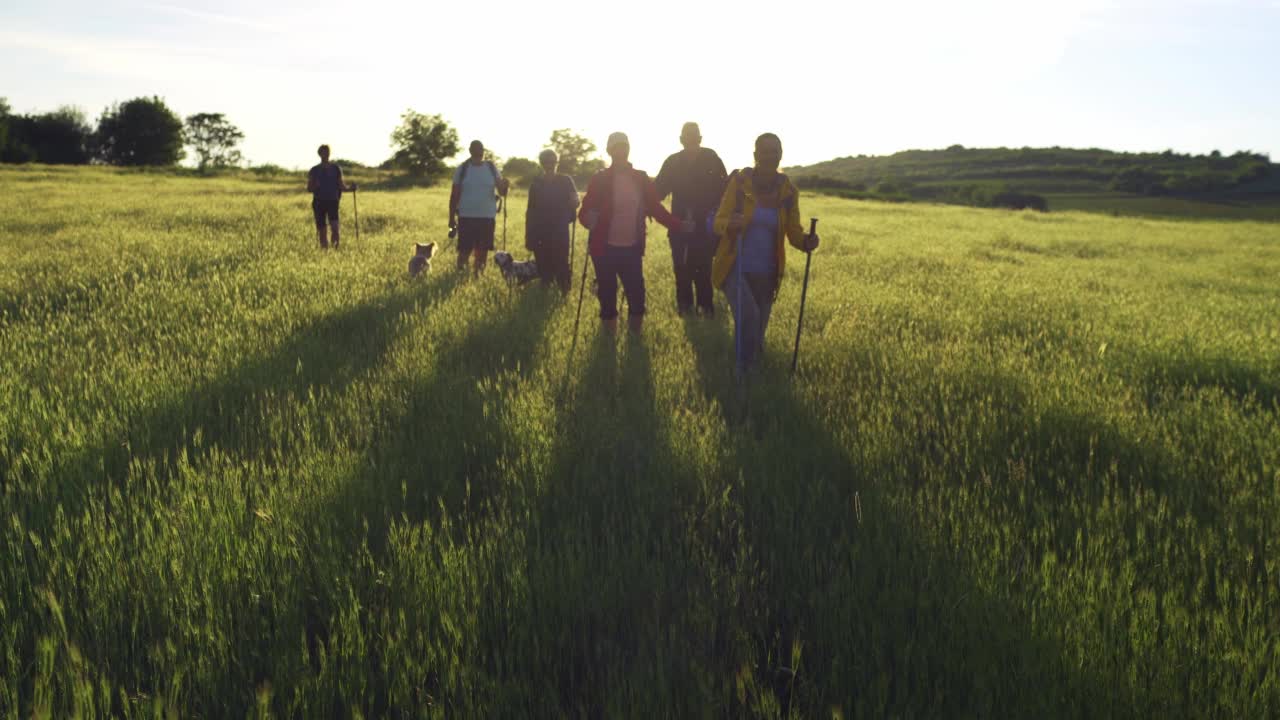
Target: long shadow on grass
239,413
445,458
616,590
861,601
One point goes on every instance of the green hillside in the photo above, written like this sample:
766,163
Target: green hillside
980,176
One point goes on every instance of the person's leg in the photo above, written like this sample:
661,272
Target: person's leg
762,291
553,266
466,240
331,211
318,211
745,320
607,291
484,242
631,271
680,264
542,257
562,273
700,275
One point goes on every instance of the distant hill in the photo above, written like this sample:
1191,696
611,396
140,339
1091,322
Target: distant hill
991,176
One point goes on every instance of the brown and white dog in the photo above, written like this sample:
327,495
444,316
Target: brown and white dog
421,260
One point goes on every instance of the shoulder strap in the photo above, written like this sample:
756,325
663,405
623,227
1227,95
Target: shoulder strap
493,170
463,176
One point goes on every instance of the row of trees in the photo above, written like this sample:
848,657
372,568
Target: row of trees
1150,180
142,131
425,145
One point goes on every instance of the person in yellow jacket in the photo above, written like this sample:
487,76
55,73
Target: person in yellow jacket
759,210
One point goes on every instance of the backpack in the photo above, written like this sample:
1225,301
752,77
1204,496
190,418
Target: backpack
462,178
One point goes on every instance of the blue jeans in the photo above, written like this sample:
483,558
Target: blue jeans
751,302
625,264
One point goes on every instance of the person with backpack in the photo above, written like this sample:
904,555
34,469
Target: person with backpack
694,178
619,199
760,209
478,188
553,200
324,182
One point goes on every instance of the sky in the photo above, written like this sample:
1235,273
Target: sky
832,79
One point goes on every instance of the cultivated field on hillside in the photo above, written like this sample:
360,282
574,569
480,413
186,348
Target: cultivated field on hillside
1029,467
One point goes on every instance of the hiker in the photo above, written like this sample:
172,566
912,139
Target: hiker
324,182
618,200
759,209
694,178
553,200
473,205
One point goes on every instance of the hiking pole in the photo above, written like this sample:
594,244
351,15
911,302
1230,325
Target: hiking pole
355,205
582,288
804,291
504,224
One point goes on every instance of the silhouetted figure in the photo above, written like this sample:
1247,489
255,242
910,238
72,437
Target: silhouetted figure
473,205
324,182
760,209
618,200
694,178
553,199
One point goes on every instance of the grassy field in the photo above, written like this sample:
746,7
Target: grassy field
1257,207
1030,467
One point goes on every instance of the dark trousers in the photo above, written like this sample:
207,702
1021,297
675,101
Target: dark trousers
553,264
625,264
691,258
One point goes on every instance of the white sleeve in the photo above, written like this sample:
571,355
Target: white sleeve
457,175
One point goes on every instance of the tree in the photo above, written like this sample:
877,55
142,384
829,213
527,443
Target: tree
522,170
214,139
424,144
575,153
4,125
142,131
61,137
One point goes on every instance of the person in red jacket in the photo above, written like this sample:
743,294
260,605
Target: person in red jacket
619,199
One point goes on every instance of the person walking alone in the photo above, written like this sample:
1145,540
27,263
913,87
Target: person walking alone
325,183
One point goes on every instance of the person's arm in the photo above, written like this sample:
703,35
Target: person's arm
590,210
728,222
529,209
656,211
455,195
721,174
796,234
342,183
312,184
663,181
724,224
572,189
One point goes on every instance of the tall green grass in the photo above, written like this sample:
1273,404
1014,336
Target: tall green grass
1030,466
